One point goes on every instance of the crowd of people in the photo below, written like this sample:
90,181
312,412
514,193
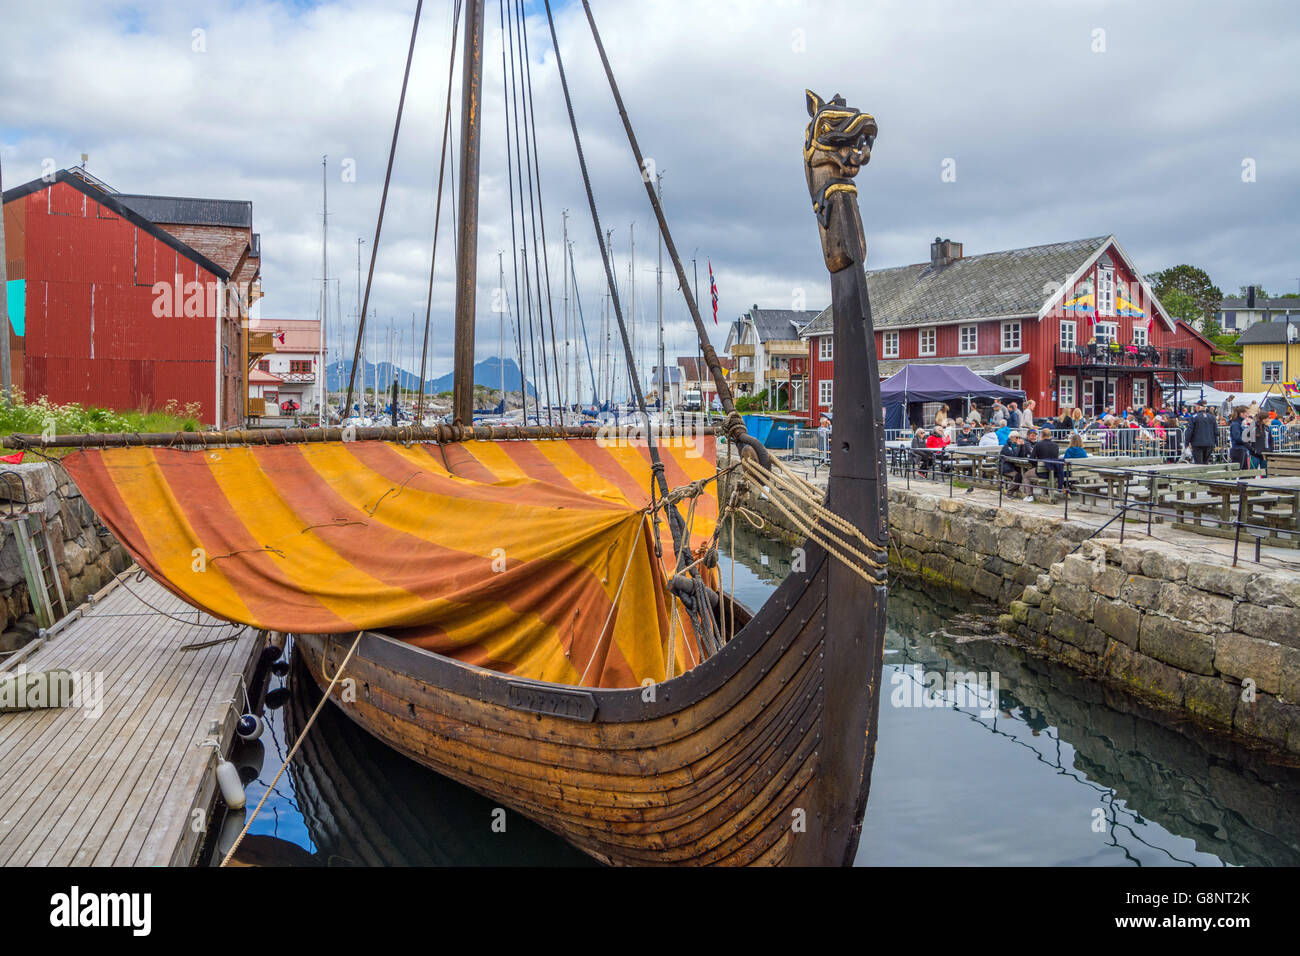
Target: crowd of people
1245,433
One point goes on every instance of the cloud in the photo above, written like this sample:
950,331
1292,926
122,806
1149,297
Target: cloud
1051,138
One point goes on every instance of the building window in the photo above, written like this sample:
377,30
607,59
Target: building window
1012,381
1230,320
1105,332
1068,339
271,397
1010,336
824,393
264,365
300,366
890,343
926,342
826,348
1271,372
1067,395
1139,335
1140,395
1105,291
968,340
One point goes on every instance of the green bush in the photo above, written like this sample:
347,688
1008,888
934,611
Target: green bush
34,418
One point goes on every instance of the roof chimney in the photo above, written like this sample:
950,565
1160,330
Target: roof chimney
944,251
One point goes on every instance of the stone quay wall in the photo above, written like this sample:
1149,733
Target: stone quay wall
85,554
1173,624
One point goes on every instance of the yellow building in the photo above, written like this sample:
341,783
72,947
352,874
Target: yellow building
1264,358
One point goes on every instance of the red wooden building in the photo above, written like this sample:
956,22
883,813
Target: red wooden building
109,308
1073,324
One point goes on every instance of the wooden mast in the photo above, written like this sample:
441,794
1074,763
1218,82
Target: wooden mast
471,123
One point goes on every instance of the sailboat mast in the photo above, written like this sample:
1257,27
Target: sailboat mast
564,263
501,327
471,116
659,306
324,288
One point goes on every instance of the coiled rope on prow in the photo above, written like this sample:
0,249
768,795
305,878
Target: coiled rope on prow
800,501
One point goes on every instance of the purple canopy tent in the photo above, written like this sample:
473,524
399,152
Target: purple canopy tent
915,383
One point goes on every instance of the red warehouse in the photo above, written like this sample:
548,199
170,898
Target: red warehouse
108,307
1073,324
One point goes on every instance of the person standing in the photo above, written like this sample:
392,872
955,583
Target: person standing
1238,453
1263,442
1013,415
998,416
1202,434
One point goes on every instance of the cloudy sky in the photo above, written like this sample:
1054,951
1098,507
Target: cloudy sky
1060,120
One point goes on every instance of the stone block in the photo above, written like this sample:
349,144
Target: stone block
1076,569
1164,565
1119,620
1141,592
1268,719
1146,676
1211,698
1077,600
1032,596
1019,611
983,539
1216,578
1011,546
1280,624
1196,607
1273,589
1243,657
1173,643
1078,633
986,584
1291,675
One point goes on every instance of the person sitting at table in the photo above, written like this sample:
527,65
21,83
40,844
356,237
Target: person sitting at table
1011,463
1076,449
1045,452
966,436
990,438
923,456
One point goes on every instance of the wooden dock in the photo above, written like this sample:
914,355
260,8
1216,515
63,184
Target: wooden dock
121,787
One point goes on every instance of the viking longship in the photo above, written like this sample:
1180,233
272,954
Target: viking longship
538,612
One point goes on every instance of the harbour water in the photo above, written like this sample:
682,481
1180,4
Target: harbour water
986,755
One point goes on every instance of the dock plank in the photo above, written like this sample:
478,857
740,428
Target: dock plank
118,788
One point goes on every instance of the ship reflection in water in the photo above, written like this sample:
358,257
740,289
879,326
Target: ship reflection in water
987,755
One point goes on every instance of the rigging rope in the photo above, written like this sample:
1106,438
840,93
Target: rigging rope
383,202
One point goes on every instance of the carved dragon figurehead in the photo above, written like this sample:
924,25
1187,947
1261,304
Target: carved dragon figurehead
837,144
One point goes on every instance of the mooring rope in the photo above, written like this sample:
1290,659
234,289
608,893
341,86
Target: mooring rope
294,749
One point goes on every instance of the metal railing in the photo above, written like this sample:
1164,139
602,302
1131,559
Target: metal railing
1124,356
937,467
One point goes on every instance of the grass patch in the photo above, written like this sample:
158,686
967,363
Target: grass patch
45,417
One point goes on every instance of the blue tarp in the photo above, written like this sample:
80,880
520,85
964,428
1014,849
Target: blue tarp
915,384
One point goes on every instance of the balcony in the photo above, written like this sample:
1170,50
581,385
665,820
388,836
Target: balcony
777,375
300,377
1124,358
260,343
742,378
736,351
785,347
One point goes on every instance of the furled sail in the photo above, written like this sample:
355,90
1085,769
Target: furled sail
536,558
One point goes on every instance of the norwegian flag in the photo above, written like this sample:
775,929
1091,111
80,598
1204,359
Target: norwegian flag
713,290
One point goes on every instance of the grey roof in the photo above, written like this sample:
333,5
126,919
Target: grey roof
780,323
1013,282
178,210
1278,305
1268,333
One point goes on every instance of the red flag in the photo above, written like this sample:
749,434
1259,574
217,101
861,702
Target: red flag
713,290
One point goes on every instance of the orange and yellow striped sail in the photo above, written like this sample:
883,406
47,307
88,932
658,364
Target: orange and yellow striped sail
531,557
